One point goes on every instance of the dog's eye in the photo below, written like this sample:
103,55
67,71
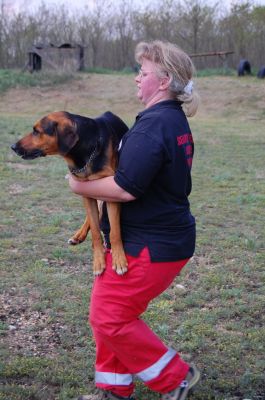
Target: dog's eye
35,132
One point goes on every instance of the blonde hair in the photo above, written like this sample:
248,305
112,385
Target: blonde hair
173,61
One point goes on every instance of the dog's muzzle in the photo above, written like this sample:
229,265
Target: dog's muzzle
27,154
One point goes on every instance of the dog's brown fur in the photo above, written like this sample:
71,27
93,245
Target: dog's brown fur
89,147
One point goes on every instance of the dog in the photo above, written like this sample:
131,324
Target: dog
90,149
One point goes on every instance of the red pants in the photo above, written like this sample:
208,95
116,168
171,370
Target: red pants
125,345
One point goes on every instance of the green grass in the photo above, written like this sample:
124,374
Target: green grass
216,320
216,72
10,78
106,71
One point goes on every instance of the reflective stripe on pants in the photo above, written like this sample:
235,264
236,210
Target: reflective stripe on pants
155,370
112,378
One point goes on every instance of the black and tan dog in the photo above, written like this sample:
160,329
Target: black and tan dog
89,147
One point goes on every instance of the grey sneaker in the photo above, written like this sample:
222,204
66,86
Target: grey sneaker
181,392
103,395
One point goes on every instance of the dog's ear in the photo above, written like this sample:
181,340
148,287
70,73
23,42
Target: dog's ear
67,136
48,126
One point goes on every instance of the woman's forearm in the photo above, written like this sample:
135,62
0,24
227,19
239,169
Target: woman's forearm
105,189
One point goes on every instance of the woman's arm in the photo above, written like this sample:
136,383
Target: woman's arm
105,189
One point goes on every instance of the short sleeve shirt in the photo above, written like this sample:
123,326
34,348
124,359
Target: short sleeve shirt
155,160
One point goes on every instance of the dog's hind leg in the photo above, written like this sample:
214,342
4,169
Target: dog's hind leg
81,234
119,261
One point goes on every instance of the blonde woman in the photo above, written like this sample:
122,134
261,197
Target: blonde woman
153,182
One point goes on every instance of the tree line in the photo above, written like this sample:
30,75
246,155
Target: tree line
110,31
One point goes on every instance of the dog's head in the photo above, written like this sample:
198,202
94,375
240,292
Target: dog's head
54,134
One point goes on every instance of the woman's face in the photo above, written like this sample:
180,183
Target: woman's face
150,86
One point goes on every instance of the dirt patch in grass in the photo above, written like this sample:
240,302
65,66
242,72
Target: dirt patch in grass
232,98
29,332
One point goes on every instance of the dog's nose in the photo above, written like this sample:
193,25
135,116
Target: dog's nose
14,146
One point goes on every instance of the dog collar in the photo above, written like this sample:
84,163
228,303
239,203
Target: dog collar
79,171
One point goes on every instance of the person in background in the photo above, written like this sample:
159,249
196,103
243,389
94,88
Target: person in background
152,183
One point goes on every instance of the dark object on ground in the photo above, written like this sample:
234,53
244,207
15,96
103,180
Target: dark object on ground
261,73
244,68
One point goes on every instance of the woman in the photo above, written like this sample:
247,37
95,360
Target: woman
152,182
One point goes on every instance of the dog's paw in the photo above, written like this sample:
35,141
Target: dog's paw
98,272
73,242
120,270
80,235
99,265
119,263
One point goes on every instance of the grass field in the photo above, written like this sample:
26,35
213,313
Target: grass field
214,312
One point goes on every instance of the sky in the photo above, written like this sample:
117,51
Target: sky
31,5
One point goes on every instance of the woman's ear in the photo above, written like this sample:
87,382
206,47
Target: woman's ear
165,82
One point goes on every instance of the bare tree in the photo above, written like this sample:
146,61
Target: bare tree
93,26
197,19
124,32
258,28
3,35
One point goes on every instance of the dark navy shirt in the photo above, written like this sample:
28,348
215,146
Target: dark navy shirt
154,166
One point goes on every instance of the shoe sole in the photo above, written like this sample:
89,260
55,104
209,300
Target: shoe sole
192,383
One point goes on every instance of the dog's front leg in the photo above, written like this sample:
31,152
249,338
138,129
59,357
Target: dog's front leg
97,245
119,261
